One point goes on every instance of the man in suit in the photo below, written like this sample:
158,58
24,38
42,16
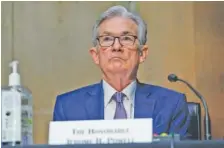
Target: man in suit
119,40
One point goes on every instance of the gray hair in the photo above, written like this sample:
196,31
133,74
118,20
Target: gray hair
123,12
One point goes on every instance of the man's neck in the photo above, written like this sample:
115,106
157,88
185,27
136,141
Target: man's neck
118,83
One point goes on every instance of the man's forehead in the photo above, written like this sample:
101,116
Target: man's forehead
118,25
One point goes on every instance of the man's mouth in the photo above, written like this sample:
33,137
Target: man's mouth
120,58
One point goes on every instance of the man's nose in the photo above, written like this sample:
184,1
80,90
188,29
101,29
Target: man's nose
117,45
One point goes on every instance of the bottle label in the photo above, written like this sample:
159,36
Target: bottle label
11,116
27,125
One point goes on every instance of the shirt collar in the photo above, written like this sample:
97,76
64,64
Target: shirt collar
109,91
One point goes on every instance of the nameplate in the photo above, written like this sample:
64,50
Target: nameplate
100,131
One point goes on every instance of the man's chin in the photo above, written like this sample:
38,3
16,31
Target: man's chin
118,70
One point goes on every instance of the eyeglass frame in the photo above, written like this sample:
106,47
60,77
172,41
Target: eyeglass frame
118,37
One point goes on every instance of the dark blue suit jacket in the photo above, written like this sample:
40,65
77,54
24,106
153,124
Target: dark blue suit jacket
167,108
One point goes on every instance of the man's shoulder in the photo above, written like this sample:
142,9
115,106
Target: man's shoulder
165,96
163,92
79,91
161,89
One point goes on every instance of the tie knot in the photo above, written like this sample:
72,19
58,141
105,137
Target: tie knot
118,97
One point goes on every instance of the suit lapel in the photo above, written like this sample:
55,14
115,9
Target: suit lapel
94,103
144,104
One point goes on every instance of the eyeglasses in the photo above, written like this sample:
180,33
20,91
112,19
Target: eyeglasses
124,40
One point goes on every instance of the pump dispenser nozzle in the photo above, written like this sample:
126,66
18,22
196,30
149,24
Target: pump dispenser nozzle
14,77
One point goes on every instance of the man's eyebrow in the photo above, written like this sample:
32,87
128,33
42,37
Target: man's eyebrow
107,33
123,33
126,33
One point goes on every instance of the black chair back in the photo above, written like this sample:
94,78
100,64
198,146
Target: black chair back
194,129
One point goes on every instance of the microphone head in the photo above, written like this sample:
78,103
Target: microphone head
172,78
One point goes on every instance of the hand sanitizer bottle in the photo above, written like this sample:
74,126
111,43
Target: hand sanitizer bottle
17,111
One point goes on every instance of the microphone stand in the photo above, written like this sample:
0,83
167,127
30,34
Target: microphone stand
207,121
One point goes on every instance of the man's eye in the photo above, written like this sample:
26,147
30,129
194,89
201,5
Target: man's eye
127,38
107,39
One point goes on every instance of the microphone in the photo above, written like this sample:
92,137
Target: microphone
207,122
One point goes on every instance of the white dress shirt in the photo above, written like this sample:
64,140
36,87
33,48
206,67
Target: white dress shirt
110,104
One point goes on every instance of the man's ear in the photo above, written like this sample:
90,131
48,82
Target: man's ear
143,53
94,54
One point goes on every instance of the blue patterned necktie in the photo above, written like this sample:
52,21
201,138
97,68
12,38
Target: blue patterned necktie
120,112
